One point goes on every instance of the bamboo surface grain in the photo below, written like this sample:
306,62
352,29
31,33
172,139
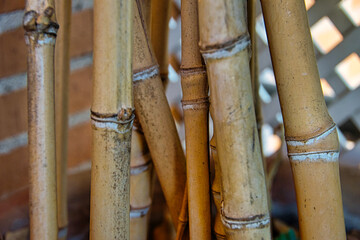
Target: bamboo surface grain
62,72
112,120
40,34
310,133
195,104
154,115
244,210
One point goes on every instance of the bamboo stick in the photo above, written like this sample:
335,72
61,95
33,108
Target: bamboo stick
310,133
216,191
140,185
153,112
182,231
62,70
195,104
112,119
40,34
159,34
244,210
146,11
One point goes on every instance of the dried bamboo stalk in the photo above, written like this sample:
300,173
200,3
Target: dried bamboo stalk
146,12
244,210
153,112
310,133
62,70
195,104
40,34
112,119
216,191
140,185
159,34
182,231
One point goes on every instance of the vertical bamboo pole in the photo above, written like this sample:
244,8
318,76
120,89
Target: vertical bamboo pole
216,191
112,119
159,34
62,70
40,34
244,210
196,111
153,112
140,184
311,136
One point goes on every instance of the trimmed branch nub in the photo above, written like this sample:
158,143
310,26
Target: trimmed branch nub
44,22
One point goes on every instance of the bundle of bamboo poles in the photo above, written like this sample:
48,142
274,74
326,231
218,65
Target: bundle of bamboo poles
130,76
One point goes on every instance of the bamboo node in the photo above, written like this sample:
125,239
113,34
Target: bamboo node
227,49
192,71
112,123
315,156
40,23
139,212
201,103
135,170
256,221
312,140
146,74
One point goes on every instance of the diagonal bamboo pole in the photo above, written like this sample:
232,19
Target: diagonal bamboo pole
159,34
310,133
112,119
62,63
196,111
216,191
244,210
153,112
40,34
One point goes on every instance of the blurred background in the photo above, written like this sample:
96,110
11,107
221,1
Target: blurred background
336,36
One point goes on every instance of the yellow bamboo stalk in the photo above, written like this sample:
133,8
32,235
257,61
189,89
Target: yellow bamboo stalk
159,34
62,70
140,185
244,210
182,231
153,112
310,133
216,191
40,34
112,119
195,104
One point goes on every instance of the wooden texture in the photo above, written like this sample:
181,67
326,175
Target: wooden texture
41,27
244,209
62,72
153,113
112,119
310,133
195,104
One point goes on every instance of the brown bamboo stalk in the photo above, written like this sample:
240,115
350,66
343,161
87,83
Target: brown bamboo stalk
112,119
159,34
146,11
62,70
40,34
216,191
153,112
182,231
244,210
140,185
195,104
310,133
